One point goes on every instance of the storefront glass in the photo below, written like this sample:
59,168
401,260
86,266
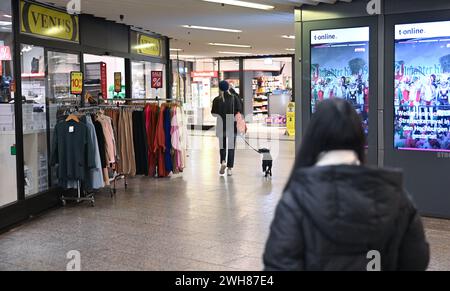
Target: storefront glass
8,178
99,76
59,67
34,119
142,80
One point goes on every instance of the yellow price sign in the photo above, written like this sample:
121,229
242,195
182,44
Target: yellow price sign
117,82
290,119
76,83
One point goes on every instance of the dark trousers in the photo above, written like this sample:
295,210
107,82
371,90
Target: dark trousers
227,145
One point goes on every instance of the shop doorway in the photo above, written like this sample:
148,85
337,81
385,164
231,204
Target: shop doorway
45,88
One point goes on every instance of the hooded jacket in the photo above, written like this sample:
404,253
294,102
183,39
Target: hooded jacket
329,218
224,109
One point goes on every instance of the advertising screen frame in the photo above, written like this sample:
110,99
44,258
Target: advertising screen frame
417,91
305,103
423,170
351,85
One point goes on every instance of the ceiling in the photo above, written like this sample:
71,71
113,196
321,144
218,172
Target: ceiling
261,29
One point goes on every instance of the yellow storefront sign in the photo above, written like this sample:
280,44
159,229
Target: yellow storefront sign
45,22
290,119
148,46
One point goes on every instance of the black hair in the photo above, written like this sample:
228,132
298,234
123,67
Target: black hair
334,126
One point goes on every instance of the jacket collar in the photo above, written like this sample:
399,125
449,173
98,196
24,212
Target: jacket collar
337,158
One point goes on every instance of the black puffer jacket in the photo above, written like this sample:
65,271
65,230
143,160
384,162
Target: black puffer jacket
330,218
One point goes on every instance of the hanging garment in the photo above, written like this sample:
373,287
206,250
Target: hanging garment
168,139
160,144
102,149
130,144
175,134
95,175
140,143
151,122
108,132
126,143
72,151
114,115
182,128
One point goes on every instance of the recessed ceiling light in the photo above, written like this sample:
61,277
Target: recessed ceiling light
176,50
4,23
211,28
288,36
234,53
229,45
290,49
7,15
243,4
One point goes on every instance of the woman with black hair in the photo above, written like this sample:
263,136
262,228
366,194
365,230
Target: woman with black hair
334,210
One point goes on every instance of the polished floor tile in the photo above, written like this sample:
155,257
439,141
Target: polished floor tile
193,221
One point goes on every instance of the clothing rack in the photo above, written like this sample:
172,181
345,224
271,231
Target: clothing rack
88,197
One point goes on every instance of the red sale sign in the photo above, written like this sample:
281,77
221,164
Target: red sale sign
157,79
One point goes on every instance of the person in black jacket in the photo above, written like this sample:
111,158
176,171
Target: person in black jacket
334,210
224,108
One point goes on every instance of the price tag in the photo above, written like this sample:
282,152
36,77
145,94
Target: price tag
76,83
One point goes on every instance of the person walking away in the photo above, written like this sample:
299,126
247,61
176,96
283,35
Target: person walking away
224,108
335,210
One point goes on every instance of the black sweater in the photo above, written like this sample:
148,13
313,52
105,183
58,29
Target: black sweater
72,151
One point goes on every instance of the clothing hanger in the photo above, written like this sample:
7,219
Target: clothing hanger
73,117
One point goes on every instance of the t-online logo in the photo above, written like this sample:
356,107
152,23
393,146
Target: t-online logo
411,31
325,36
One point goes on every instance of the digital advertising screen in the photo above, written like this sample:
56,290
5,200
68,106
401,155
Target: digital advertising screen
422,85
340,68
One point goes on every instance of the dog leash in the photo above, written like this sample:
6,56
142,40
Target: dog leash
245,140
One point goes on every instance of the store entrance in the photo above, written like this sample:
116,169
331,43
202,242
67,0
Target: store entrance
45,88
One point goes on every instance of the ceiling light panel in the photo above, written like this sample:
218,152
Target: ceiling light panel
242,4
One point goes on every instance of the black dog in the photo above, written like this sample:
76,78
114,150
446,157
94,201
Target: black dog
267,162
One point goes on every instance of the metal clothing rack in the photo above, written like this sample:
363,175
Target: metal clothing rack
88,197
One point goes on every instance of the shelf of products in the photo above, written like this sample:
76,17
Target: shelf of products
95,79
262,89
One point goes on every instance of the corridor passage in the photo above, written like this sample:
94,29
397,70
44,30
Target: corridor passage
194,221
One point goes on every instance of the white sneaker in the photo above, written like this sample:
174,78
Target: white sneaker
230,172
223,167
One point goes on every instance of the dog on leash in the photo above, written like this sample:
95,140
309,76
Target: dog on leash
267,162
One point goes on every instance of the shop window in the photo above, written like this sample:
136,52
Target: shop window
8,178
99,76
142,80
34,119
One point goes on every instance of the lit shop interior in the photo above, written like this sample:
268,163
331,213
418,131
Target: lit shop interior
265,86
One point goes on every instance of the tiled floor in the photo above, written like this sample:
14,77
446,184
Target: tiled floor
196,221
